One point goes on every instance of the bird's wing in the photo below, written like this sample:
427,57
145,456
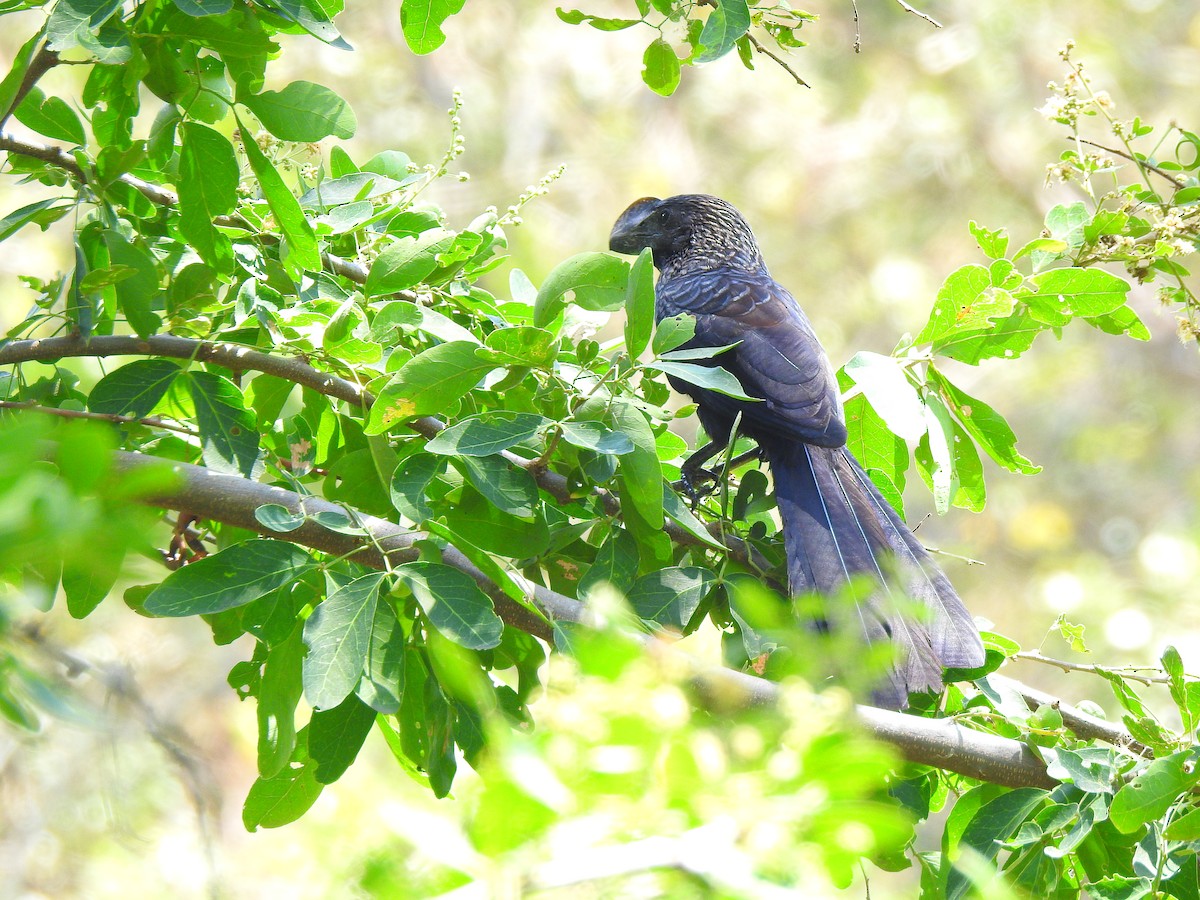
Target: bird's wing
777,356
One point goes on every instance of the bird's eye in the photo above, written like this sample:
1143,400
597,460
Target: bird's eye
662,215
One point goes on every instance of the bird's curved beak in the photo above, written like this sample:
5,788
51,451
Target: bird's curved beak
626,235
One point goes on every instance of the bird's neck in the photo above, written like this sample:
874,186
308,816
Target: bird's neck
712,259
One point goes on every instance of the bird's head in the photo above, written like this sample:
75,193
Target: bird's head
687,233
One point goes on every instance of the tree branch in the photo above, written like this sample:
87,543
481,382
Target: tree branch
235,357
231,499
239,358
43,61
159,195
104,417
1085,726
920,15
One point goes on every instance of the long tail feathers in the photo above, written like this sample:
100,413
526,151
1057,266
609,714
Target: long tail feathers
837,526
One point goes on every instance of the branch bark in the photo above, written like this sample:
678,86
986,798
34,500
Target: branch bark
231,499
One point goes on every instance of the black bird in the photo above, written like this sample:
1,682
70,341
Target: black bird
836,523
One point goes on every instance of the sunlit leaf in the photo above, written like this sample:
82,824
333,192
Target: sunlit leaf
233,577
454,604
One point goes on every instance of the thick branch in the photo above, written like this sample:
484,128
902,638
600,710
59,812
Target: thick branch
233,500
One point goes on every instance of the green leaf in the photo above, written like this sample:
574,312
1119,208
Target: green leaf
431,382
993,821
438,724
598,280
198,8
278,518
672,332
728,22
338,635
406,262
968,470
1008,338
229,578
994,244
873,444
640,468
87,582
355,187
15,79
228,432
967,300
886,386
134,389
303,252
409,482
615,566
382,683
1151,793
661,68
523,345
600,23
278,694
43,213
1091,769
674,507
336,735
310,16
489,527
138,293
409,315
277,801
639,304
50,116
670,596
454,604
73,23
1080,292
1122,320
1120,887
937,444
712,377
507,487
487,433
596,437
303,112
985,425
208,180
1185,827
422,20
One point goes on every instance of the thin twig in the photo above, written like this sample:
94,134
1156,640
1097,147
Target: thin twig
152,422
920,15
1129,672
857,32
159,195
757,45
1171,177
970,561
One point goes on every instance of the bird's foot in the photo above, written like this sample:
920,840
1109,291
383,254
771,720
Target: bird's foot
697,483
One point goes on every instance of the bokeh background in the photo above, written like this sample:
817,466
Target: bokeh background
860,189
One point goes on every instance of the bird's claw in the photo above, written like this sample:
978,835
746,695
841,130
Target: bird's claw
697,484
